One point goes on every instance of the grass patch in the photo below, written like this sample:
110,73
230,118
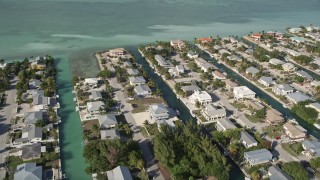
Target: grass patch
253,118
238,105
152,129
141,105
293,149
144,132
273,131
199,115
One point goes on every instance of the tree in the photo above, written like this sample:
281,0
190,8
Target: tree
95,129
255,175
198,104
295,170
261,113
39,123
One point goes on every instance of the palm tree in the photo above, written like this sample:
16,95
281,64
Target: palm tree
146,123
95,129
233,148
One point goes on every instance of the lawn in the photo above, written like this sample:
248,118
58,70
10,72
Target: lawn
199,115
293,149
238,105
141,105
152,129
273,131
253,118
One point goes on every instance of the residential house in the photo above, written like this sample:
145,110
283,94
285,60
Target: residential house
107,121
116,54
109,134
32,151
249,51
297,97
203,64
243,92
161,61
95,95
218,75
202,97
234,58
315,106
288,67
266,81
137,80
275,62
297,39
230,84
224,124
142,90
217,47
158,111
30,134
41,102
224,51
252,70
188,90
91,81
312,148
127,64
205,40
3,65
167,122
304,75
30,118
294,30
254,104
293,52
212,112
256,36
178,44
315,83
177,70
34,84
247,140
275,173
295,132
28,171
282,89
95,107
192,54
38,63
119,173
132,72
274,117
259,156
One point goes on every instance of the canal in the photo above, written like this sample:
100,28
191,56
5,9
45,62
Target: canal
173,102
71,137
274,103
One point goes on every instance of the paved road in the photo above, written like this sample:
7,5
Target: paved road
5,116
152,167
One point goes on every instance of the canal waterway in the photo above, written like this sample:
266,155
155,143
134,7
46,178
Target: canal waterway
271,101
71,137
173,102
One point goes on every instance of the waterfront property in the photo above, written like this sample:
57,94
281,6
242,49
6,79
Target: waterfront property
266,81
295,132
274,117
311,148
212,112
202,97
275,173
28,171
107,121
297,97
158,112
243,92
259,156
247,140
224,124
282,89
137,80
142,90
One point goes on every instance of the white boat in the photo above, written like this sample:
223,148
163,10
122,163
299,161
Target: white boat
77,108
294,121
74,99
57,96
285,106
177,112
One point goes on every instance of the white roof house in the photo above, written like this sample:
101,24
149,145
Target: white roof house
275,62
304,74
275,173
142,90
119,173
161,61
282,89
203,64
243,92
3,65
252,70
247,140
28,171
224,124
223,51
234,58
259,156
192,54
202,97
178,44
95,107
312,147
137,80
132,72
109,134
297,97
266,81
288,67
295,132
158,111
91,81
95,95
212,112
107,121
218,75
294,30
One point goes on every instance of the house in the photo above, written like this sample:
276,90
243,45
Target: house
256,36
109,134
230,84
119,173
95,107
30,118
275,173
30,134
30,152
243,92
127,64
41,101
132,72
192,54
274,117
297,97
234,58
224,124
259,156
247,140
107,121
295,132
288,67
117,52
176,71
297,39
304,74
188,90
212,112
167,122
294,30
252,70
38,63
279,35
202,97
158,111
3,65
161,61
282,89
95,95
223,51
205,40
218,75
315,106
266,81
91,81
275,62
217,47
312,148
142,90
178,44
293,52
137,80
34,84
203,64
315,83
28,171
254,104
249,51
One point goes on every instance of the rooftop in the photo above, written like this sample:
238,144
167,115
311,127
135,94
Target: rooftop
246,137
